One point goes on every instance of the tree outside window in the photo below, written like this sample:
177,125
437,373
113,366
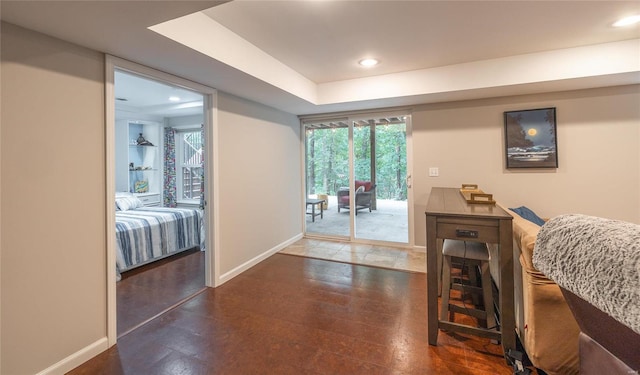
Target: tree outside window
327,157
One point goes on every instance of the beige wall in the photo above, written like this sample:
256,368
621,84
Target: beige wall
259,183
53,194
53,280
598,132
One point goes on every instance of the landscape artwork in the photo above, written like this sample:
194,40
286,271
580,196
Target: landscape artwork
530,138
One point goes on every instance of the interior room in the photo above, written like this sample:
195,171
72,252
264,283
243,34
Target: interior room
280,290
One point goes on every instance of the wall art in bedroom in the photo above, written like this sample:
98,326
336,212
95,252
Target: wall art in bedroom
141,186
530,138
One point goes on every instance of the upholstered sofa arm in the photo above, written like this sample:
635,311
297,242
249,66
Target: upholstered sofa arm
525,233
546,327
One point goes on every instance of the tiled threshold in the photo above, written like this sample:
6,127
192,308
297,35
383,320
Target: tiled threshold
369,255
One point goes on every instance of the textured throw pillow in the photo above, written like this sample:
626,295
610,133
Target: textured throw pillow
527,214
125,203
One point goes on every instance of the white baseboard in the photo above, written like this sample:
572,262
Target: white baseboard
76,359
252,262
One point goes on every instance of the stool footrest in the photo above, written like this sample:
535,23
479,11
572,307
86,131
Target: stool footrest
471,311
466,261
466,288
463,328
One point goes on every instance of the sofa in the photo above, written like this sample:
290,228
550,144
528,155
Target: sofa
596,263
544,322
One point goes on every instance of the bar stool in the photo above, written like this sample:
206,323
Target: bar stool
472,254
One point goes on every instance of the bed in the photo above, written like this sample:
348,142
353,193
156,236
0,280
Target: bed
146,234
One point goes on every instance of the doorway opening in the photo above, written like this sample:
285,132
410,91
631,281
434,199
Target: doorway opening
159,160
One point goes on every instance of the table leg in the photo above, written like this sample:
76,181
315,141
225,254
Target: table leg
321,209
432,281
313,213
440,243
507,309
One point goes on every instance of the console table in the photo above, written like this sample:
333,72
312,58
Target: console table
450,216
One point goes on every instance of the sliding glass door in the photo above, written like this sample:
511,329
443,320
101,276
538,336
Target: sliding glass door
380,170
327,173
363,158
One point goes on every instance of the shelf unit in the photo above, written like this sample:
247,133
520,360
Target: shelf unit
138,167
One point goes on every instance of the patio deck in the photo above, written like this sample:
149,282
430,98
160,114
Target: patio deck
387,223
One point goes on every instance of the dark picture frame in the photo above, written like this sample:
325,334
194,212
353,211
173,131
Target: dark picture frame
531,138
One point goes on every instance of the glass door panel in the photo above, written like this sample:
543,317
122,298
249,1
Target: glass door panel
369,164
380,179
327,178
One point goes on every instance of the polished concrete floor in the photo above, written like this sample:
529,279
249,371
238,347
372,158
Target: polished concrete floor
297,315
371,255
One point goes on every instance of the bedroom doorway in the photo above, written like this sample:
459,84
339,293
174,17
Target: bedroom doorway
159,137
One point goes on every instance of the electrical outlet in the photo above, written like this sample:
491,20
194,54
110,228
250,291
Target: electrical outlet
434,172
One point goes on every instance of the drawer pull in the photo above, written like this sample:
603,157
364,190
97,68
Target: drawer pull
466,233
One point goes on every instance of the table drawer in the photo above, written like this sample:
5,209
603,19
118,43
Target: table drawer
480,233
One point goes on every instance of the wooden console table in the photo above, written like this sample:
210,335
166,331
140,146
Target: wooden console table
450,216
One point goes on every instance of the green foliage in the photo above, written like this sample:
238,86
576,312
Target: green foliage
327,159
391,162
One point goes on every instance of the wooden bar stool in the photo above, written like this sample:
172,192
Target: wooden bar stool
471,254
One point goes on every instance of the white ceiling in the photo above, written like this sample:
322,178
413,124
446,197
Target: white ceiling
324,40
300,56
136,94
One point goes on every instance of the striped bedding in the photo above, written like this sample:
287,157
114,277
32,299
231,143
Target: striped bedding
149,233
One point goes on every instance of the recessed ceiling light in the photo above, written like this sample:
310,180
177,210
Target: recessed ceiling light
368,62
174,98
627,21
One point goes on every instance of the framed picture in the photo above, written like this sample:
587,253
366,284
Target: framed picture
530,138
141,186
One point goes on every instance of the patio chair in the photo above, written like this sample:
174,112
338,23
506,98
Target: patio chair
365,194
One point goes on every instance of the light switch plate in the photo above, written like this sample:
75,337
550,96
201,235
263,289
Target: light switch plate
434,172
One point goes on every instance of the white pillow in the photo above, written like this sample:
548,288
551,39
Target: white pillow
120,194
130,202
